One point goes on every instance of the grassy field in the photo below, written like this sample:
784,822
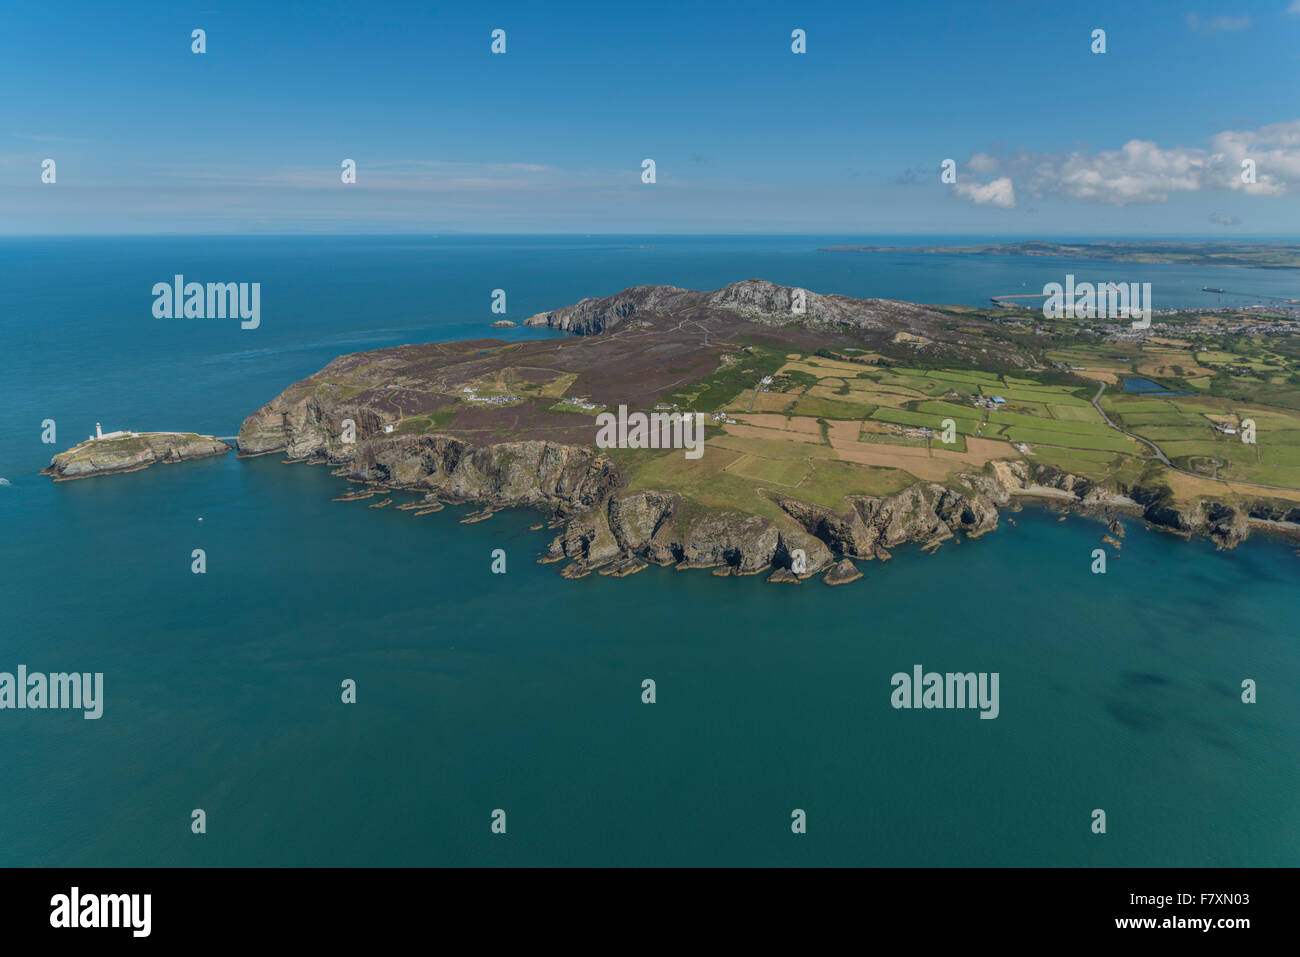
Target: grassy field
825,428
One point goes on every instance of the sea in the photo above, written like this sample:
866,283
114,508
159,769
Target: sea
517,699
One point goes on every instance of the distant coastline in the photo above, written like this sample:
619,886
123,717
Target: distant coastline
1256,255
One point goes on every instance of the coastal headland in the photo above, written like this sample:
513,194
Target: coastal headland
836,428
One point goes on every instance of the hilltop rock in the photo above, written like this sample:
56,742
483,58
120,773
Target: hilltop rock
884,321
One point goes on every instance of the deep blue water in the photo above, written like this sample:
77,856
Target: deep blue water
522,691
1147,387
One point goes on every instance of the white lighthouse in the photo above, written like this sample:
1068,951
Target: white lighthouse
100,434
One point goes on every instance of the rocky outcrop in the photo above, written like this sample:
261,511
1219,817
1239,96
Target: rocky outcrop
130,453
842,573
1275,512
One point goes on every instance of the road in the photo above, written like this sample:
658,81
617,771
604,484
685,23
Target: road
1165,459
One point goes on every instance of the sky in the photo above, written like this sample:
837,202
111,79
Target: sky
1046,137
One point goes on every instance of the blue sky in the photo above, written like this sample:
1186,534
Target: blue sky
1048,137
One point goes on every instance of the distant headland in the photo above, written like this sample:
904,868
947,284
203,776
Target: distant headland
1259,255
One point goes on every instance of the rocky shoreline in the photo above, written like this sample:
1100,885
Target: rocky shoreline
608,529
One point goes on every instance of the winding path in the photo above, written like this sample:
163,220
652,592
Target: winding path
1147,442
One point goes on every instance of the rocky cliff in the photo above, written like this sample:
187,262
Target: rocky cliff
805,541
610,529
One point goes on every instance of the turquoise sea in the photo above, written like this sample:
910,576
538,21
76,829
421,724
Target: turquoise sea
523,691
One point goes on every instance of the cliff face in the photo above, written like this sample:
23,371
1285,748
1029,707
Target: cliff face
664,530
1227,525
131,453
566,478
307,427
652,525
924,512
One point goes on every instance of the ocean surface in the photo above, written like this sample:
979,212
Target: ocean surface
522,691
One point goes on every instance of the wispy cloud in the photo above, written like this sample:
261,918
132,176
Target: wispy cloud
43,138
393,175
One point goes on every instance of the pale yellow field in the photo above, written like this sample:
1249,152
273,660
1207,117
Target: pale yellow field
772,402
824,367
773,435
930,464
1186,488
1163,365
801,424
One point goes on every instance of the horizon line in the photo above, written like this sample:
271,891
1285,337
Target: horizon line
449,234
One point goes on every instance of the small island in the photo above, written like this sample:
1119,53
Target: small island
109,453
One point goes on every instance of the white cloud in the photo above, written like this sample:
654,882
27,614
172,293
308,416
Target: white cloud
1141,171
1294,9
999,193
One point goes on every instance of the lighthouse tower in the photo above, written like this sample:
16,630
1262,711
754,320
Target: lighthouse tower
99,433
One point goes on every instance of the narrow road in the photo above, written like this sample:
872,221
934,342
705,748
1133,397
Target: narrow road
1165,459
1147,442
